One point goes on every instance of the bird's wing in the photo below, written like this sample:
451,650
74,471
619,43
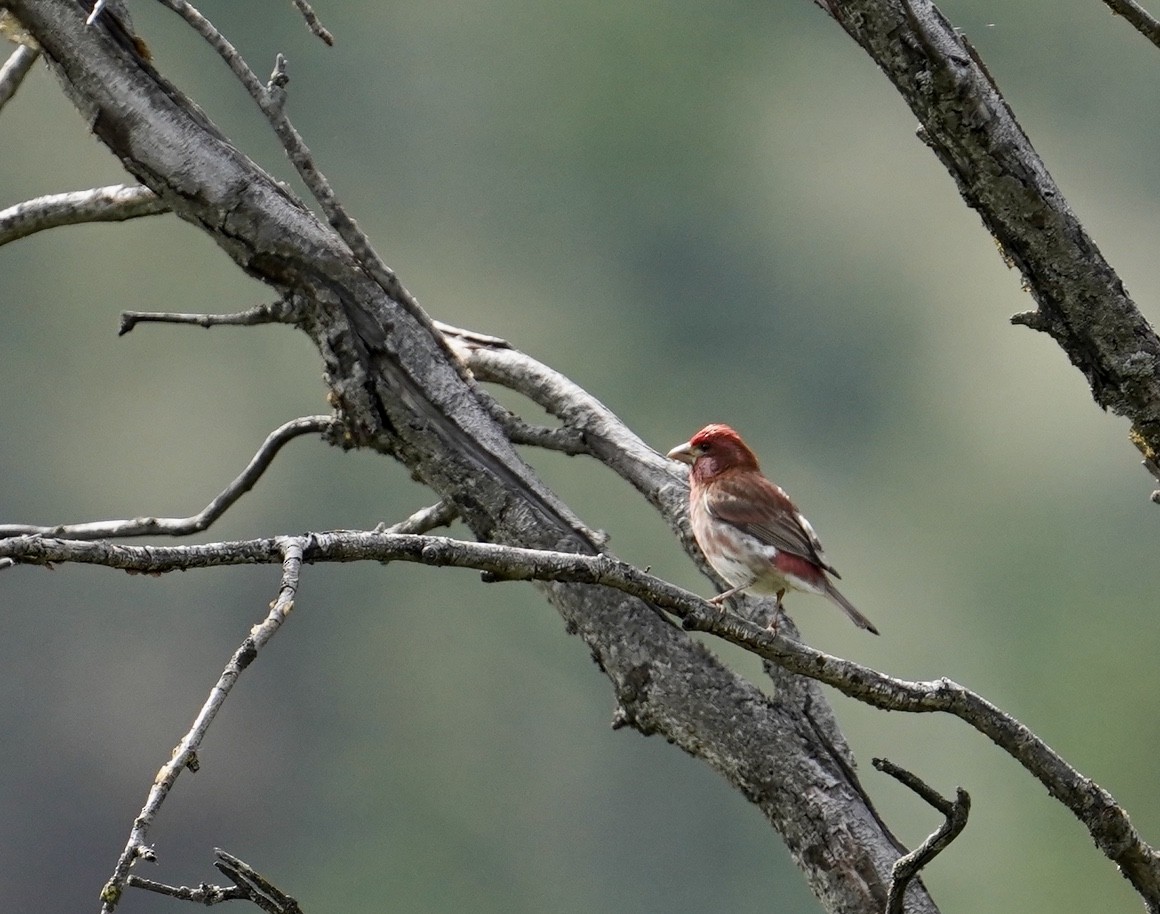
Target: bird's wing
762,510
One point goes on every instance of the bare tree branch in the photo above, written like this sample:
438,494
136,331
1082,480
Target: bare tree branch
280,312
1138,17
437,515
185,753
401,392
183,526
1098,810
313,23
15,68
956,813
100,204
969,126
204,894
256,887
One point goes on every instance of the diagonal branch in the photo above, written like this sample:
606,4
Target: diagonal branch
1138,18
15,68
966,122
185,753
256,887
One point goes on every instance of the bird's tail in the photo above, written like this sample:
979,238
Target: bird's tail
856,617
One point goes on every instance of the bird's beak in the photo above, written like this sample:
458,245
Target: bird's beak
683,453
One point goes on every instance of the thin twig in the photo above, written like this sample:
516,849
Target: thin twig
204,894
256,887
955,815
1138,17
313,22
280,312
115,203
15,68
271,100
1105,819
183,526
440,514
185,754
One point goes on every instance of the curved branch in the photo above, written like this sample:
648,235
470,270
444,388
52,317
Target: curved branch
183,526
115,203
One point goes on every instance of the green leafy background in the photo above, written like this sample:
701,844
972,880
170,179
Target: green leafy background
700,212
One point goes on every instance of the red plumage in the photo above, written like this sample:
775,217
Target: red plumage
750,531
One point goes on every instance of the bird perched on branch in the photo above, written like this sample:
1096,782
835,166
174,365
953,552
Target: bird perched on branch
750,531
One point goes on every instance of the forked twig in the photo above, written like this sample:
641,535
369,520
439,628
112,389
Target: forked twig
955,812
254,885
185,754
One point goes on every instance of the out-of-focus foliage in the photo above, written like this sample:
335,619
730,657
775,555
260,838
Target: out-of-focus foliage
699,212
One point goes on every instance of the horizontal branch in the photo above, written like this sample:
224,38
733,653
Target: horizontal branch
279,312
114,203
183,526
1096,808
204,894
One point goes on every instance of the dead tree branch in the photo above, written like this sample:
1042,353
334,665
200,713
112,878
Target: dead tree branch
1105,819
956,813
185,753
100,204
969,126
1138,18
15,68
401,391
183,526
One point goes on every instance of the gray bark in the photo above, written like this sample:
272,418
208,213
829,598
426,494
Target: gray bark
401,391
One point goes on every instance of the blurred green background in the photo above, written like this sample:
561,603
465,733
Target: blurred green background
700,212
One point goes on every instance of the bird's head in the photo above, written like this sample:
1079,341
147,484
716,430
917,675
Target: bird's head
713,450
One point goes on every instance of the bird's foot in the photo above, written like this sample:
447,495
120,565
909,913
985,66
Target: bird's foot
776,620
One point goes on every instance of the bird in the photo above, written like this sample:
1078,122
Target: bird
748,528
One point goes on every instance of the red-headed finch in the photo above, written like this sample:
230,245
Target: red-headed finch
749,530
